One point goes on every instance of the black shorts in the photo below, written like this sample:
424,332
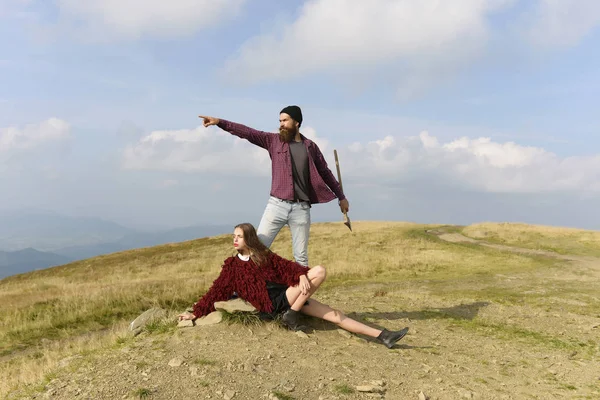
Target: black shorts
278,298
277,294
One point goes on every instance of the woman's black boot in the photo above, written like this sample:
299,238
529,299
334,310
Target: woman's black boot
291,319
389,338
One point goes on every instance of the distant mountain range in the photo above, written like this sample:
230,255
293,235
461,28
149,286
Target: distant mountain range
49,231
16,262
30,241
134,240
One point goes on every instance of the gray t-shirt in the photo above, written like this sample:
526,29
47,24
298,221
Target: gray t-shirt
300,170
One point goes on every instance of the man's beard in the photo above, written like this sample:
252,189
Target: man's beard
286,135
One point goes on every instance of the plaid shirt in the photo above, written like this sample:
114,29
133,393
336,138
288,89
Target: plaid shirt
323,185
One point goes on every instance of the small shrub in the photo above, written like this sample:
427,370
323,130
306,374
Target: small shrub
281,395
242,318
142,393
204,361
159,326
343,388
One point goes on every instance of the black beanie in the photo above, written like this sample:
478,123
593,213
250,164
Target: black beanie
294,112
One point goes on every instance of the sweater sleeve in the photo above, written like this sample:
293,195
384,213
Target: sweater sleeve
220,290
289,271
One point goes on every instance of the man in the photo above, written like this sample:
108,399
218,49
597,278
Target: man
300,178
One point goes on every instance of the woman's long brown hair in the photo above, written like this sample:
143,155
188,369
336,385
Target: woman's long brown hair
258,251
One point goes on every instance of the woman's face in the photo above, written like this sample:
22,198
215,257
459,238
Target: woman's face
238,240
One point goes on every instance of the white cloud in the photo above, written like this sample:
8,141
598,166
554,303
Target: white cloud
563,23
478,164
410,40
196,150
133,19
203,150
33,135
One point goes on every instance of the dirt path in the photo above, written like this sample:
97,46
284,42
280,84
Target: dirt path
589,263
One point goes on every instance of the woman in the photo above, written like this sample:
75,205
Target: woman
274,285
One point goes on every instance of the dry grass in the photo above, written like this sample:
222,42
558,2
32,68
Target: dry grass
52,314
557,239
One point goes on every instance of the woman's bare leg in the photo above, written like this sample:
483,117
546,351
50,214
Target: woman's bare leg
323,311
316,276
314,308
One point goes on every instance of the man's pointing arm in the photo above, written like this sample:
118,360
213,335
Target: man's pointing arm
254,136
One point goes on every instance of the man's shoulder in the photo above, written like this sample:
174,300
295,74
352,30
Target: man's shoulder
309,142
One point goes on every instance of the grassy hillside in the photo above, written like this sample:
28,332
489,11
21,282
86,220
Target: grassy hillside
47,316
560,240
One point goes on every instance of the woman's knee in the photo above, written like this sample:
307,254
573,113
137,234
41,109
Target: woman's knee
319,271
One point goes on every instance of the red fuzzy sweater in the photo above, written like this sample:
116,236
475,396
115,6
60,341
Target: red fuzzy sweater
249,282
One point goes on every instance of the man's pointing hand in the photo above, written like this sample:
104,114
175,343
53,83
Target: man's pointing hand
208,121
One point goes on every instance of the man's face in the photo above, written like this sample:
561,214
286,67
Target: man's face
287,127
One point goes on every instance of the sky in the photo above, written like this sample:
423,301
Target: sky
441,112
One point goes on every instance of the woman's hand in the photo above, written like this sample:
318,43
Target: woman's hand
186,316
304,284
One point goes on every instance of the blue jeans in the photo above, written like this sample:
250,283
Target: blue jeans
296,215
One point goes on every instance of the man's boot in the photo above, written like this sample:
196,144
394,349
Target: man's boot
389,338
291,319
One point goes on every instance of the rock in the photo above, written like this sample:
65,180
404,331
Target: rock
302,335
235,305
230,394
344,333
185,323
260,370
249,366
137,325
423,396
176,362
211,319
194,371
370,389
465,394
289,387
